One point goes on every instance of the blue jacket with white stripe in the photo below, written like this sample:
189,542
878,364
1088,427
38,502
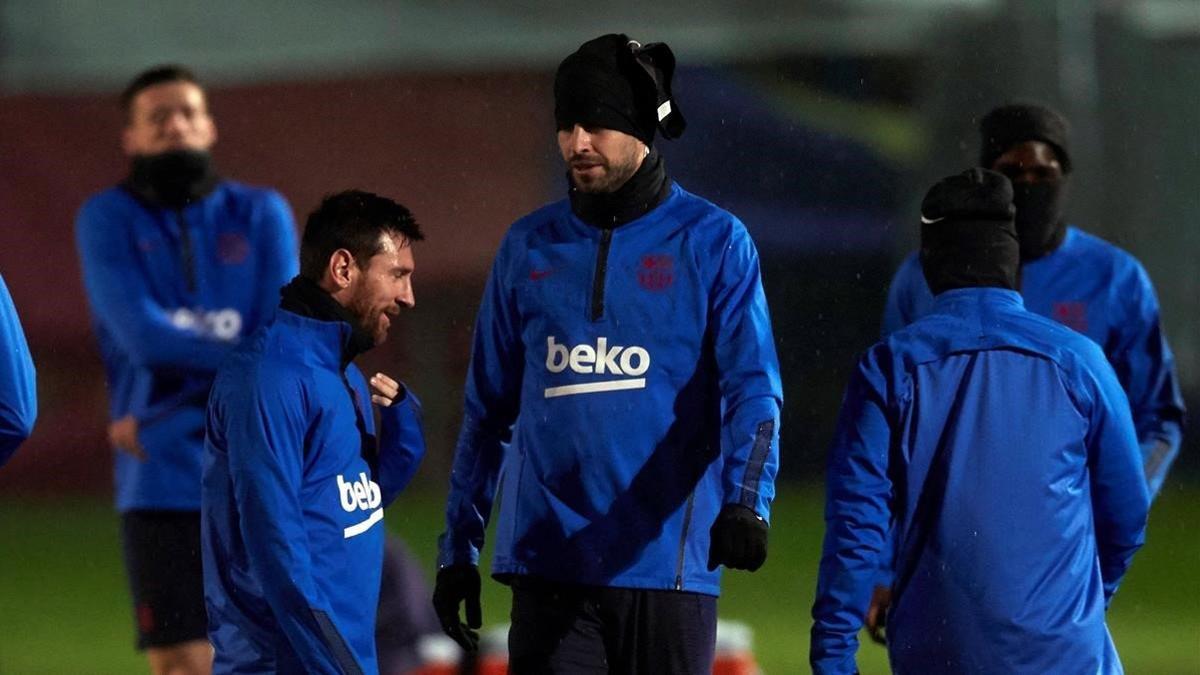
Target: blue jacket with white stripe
623,387
291,524
171,292
994,451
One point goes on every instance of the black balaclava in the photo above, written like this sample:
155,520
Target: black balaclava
968,239
305,297
172,179
1040,223
613,82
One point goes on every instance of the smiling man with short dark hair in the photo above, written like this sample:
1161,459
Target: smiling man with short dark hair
295,476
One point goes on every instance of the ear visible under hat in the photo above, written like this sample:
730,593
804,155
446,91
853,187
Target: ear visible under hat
657,62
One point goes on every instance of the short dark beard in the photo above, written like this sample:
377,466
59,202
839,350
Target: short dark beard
616,176
648,187
360,309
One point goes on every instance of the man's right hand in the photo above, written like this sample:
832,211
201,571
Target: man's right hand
123,436
456,584
877,614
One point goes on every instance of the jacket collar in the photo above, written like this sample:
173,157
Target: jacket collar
305,298
959,299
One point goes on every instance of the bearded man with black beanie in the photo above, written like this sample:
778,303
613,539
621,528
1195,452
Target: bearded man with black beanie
987,456
622,401
178,264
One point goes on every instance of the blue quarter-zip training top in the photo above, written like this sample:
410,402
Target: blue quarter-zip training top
170,293
623,387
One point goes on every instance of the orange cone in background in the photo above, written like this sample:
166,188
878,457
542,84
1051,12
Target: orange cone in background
493,651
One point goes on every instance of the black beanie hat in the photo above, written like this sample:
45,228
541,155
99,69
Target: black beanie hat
1009,125
968,238
613,82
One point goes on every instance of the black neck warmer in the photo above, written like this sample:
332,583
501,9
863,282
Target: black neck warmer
172,179
1040,225
305,297
648,187
970,255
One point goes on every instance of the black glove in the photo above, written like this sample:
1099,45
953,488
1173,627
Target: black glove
738,539
455,584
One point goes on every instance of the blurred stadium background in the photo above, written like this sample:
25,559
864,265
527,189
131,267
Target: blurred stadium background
818,122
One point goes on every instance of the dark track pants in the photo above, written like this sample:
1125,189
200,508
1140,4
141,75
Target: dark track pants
561,629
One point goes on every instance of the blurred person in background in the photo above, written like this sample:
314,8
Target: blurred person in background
296,477
405,620
179,265
1072,277
994,449
18,380
622,400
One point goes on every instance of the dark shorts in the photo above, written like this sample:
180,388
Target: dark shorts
579,630
162,558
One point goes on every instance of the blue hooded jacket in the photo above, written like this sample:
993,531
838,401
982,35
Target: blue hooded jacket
994,449
623,387
1103,292
291,526
170,294
18,380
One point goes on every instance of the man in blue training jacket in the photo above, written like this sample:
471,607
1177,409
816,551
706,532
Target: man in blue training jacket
994,451
18,380
622,401
295,476
1072,277
178,264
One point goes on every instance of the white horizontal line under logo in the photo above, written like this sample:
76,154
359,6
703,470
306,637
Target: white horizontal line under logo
594,387
359,528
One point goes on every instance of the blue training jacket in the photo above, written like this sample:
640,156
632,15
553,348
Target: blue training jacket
291,527
996,449
18,380
623,386
170,294
1103,292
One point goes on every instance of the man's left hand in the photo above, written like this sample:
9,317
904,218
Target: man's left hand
384,389
738,539
123,436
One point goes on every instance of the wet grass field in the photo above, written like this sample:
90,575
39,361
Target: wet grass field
64,608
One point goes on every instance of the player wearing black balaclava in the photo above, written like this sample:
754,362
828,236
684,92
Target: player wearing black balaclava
987,458
1072,277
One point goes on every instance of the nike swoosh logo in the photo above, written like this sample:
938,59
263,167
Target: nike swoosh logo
930,221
